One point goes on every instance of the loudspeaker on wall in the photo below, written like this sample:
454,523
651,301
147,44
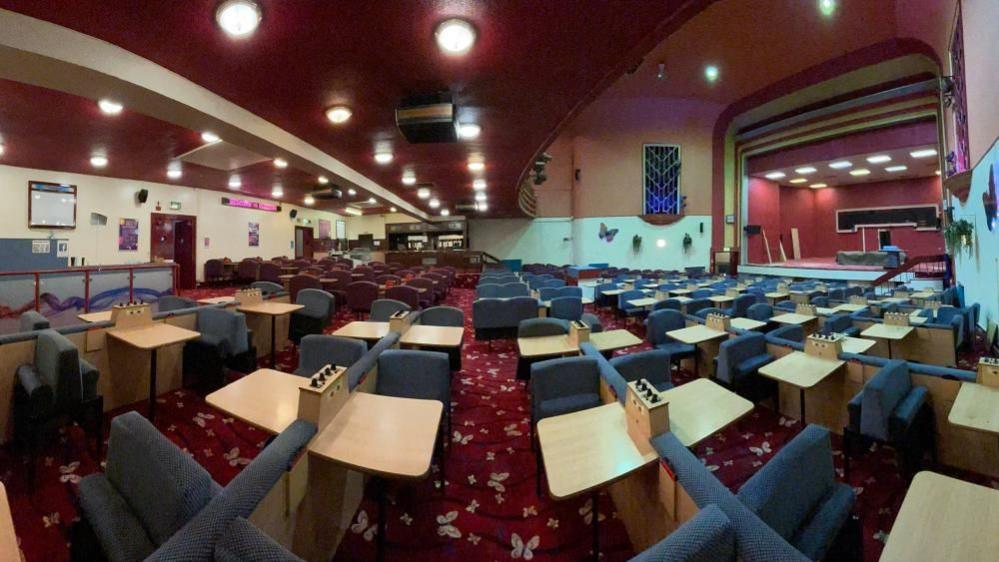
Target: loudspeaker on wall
142,195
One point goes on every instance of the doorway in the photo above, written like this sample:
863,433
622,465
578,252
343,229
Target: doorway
884,238
172,238
303,242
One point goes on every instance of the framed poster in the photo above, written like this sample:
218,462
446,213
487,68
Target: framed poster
51,205
324,229
128,235
254,234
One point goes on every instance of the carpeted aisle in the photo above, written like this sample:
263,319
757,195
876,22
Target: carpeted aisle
487,511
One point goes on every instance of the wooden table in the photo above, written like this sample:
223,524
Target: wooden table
265,398
680,292
642,303
721,299
889,333
614,339
272,309
612,292
801,370
547,304
976,407
746,323
384,436
857,345
701,408
95,317
848,307
586,450
943,518
794,318
546,346
151,337
775,297
702,337
363,330
8,537
433,336
218,300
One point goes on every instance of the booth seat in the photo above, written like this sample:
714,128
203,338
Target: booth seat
709,536
494,318
358,371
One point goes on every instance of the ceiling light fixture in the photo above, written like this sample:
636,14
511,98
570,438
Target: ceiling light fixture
280,163
483,207
798,180
372,200
392,209
478,184
408,179
775,175
469,131
841,164
323,180
210,137
894,169
434,203
860,172
235,182
476,166
174,171
1,149
238,18
277,191
383,157
110,107
423,193
98,161
879,159
923,153
818,185
353,211
711,73
480,196
338,114
351,192
455,36
827,7
309,200
936,172
445,212
805,170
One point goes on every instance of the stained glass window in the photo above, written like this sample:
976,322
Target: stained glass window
661,179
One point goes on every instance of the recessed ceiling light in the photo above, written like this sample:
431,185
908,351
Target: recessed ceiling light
323,180
1,149
827,7
423,193
110,107
309,200
805,170
338,114
238,18
923,153
469,131
277,191
798,180
479,184
280,163
879,159
351,191
408,179
896,168
860,172
235,182
455,36
483,207
353,211
434,203
174,171
372,200
98,161
383,157
840,164
775,175
480,196
711,73
476,166
445,212
392,209
818,185
210,137
936,172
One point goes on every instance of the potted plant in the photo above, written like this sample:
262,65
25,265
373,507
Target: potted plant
959,235
636,243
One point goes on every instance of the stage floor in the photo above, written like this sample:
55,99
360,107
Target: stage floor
819,263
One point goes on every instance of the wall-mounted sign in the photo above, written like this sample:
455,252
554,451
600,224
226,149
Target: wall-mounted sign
40,247
246,204
254,234
128,235
175,205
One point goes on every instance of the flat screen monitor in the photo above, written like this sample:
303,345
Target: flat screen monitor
51,205
366,241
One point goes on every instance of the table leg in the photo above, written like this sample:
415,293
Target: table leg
152,384
382,514
273,340
596,527
801,397
889,350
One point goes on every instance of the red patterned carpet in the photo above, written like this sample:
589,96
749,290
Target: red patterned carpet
488,509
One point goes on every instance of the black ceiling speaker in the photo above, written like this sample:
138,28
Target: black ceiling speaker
293,213
142,195
427,118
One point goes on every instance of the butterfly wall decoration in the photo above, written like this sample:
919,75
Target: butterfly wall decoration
989,200
607,234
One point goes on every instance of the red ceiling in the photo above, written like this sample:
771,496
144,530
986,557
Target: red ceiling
533,63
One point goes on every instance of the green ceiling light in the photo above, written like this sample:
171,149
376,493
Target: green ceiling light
827,7
711,73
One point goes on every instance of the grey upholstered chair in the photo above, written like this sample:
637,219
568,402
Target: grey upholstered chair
316,351
382,309
170,303
313,319
225,341
31,320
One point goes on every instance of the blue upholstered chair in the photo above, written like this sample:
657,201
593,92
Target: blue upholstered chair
760,311
786,306
706,537
515,289
448,316
31,320
487,291
739,360
170,303
628,309
533,328
317,351
667,304
599,298
820,301
500,319
955,318
662,321
548,293
268,288
696,305
837,294
796,494
242,541
701,293
889,409
382,309
312,319
562,386
653,365
789,332
58,385
740,306
840,324
704,312
225,342
566,308
569,291
553,283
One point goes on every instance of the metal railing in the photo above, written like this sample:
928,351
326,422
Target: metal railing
88,272
936,267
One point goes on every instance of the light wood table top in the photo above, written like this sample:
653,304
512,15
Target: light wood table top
546,304
546,346
696,334
265,398
588,449
918,320
612,292
701,408
848,307
361,330
794,318
285,276
648,301
270,308
801,369
680,292
922,295
943,518
217,300
682,300
823,311
721,299
746,323
857,345
884,331
614,339
152,336
382,435
777,295
8,537
433,336
94,317
976,407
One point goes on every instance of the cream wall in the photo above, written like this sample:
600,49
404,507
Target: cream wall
542,240
981,43
225,227
373,224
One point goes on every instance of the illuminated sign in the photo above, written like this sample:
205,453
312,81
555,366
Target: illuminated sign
246,204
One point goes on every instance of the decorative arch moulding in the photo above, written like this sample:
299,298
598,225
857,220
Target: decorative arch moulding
661,219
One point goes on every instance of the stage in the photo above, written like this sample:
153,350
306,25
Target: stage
826,269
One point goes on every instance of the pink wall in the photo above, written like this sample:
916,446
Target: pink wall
764,210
